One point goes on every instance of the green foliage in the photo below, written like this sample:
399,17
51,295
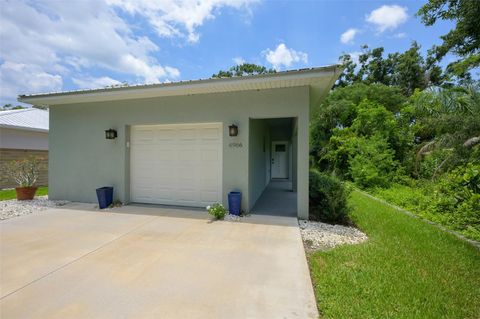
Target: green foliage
452,201
8,107
407,70
406,269
422,153
369,150
373,118
464,39
373,163
447,125
327,198
217,211
243,70
340,109
410,73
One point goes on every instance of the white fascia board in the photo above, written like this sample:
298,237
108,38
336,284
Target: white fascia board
310,77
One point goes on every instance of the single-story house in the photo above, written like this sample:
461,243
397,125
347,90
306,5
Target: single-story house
23,133
187,143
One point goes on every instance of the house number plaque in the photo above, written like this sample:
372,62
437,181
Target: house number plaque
235,144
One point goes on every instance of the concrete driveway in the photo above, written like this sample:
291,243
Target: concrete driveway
150,262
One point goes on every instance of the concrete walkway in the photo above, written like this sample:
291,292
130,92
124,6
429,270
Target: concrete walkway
150,262
277,199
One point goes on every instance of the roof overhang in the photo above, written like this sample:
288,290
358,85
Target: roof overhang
320,79
23,128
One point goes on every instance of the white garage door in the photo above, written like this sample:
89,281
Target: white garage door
176,164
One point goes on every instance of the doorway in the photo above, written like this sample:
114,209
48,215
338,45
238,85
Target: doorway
279,162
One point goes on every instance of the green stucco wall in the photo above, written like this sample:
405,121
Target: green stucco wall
259,146
81,159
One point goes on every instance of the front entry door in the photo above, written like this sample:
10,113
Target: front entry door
279,160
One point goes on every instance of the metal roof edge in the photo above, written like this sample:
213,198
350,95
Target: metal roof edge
180,84
23,128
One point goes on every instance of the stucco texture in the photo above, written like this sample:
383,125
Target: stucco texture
81,159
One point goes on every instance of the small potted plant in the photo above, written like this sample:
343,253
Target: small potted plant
25,173
217,211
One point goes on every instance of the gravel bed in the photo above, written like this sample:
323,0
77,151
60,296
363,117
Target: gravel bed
13,208
321,236
233,218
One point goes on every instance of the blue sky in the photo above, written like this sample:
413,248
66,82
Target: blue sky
50,46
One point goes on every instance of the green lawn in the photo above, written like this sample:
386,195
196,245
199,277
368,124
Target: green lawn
10,193
407,269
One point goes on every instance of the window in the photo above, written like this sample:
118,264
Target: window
280,148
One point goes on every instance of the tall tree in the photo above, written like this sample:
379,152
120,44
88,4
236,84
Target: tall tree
464,39
243,70
9,106
376,67
411,70
408,70
348,75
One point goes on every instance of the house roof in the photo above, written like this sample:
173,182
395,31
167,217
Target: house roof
321,79
25,119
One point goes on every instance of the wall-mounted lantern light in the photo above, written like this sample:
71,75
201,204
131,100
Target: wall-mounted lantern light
110,134
233,130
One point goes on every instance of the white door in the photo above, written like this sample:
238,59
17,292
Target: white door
177,164
279,160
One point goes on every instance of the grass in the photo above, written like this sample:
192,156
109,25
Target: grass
10,193
420,200
407,269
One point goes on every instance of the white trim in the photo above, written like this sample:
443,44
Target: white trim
321,76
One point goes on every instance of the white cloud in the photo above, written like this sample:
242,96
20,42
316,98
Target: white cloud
51,40
400,35
388,17
349,35
173,18
238,60
93,83
284,57
18,78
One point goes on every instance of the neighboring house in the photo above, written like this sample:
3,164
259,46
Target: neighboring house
23,133
174,144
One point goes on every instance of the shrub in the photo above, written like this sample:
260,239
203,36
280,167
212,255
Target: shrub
25,172
327,198
452,201
217,211
373,164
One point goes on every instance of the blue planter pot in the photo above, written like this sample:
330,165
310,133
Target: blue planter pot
234,203
104,196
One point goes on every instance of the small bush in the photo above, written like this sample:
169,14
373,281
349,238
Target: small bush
25,172
327,198
217,211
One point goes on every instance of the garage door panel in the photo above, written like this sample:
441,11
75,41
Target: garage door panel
187,155
165,135
176,164
208,197
143,136
209,155
210,134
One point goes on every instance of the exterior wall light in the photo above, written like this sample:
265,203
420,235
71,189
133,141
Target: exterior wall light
110,134
233,130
